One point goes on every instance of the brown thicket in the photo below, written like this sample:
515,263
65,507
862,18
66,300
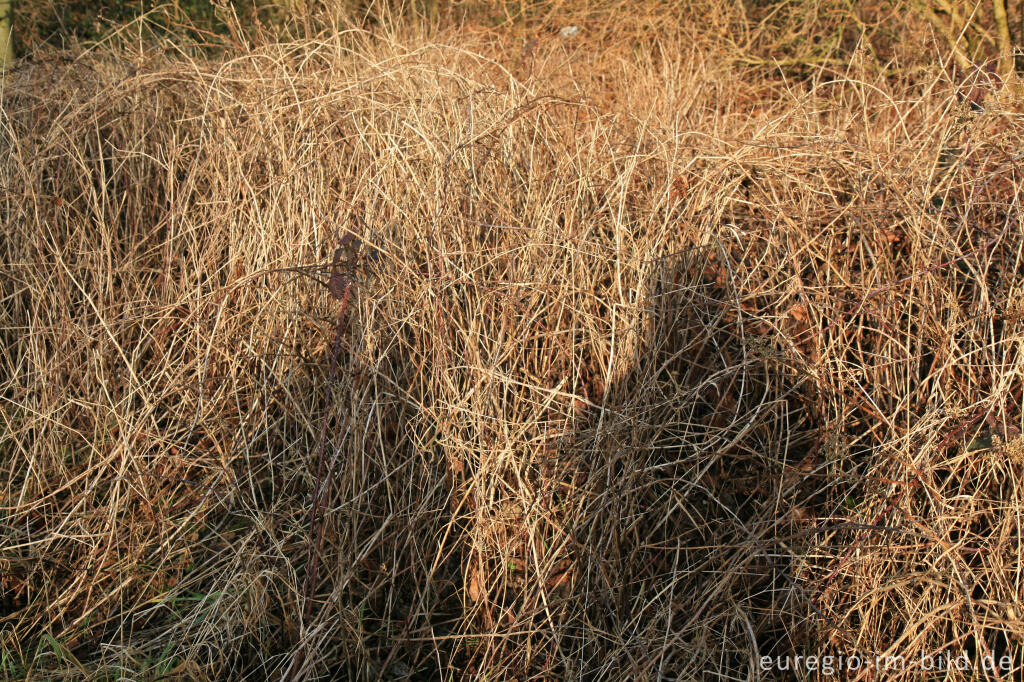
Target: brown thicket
640,354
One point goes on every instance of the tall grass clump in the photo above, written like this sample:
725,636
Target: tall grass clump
503,353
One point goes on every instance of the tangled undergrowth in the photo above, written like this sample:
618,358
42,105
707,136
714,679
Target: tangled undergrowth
574,357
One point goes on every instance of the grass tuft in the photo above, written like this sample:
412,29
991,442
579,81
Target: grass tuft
497,353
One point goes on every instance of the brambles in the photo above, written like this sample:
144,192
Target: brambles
640,372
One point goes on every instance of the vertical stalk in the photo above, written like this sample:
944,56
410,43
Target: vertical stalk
1005,43
6,33
947,32
1020,37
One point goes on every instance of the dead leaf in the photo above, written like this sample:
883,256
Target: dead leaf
341,267
337,282
680,185
890,236
558,580
799,514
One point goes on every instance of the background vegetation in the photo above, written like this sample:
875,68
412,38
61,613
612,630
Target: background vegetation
438,341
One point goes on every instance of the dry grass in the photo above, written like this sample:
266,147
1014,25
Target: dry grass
652,362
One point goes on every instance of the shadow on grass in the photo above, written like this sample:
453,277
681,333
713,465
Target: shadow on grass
658,535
